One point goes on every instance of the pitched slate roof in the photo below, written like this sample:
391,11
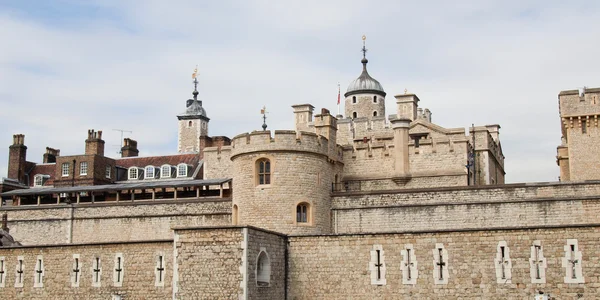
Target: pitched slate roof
127,162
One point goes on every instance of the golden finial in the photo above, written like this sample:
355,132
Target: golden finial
405,91
364,37
195,72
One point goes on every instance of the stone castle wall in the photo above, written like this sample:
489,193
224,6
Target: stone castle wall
217,162
221,263
340,267
139,263
100,222
273,206
460,208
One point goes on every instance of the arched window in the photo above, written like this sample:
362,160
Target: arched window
149,172
264,171
374,99
353,99
374,114
165,171
190,124
133,173
354,115
234,215
263,269
302,213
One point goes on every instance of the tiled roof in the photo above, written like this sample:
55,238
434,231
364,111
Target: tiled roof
43,169
127,162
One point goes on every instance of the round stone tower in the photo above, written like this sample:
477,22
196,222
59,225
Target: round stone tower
365,97
283,183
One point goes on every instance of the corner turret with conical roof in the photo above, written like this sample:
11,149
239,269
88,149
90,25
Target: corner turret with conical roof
365,97
193,123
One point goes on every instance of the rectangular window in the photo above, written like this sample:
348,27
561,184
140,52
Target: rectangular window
65,169
182,171
83,166
107,172
2,272
38,181
165,172
133,173
149,172
583,126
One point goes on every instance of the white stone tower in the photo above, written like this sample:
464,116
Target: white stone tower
193,123
365,97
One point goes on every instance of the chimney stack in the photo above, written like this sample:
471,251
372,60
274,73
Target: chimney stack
94,145
129,148
50,155
401,162
17,158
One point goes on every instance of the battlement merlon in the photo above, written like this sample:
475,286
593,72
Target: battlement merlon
303,114
407,105
283,141
579,103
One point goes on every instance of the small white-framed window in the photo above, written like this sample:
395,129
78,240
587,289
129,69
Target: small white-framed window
19,272
263,269
159,271
119,271
2,271
108,171
182,170
38,180
65,169
76,271
96,272
133,173
38,279
149,172
83,168
165,171
353,99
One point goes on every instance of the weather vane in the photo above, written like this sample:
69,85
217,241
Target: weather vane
364,48
263,111
194,75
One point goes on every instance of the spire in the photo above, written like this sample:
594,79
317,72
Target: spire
364,50
195,93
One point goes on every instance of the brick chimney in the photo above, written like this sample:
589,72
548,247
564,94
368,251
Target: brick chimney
50,155
129,148
16,158
94,143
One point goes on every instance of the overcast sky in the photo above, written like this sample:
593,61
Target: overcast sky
69,66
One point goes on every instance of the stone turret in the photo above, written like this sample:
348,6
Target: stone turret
283,183
407,106
326,126
303,116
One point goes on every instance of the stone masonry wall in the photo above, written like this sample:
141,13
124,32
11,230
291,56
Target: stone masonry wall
466,207
108,222
275,247
209,263
338,267
217,162
139,262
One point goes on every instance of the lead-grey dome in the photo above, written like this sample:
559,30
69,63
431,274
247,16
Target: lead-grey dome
365,83
195,109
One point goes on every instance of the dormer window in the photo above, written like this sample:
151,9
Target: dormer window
39,179
182,170
150,172
165,171
135,173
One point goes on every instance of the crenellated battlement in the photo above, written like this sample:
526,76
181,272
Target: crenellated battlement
283,140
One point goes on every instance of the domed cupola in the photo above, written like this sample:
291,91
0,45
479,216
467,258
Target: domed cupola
365,97
193,123
365,83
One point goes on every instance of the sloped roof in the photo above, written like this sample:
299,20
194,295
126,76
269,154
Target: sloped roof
127,162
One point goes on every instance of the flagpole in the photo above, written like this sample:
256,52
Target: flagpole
338,104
